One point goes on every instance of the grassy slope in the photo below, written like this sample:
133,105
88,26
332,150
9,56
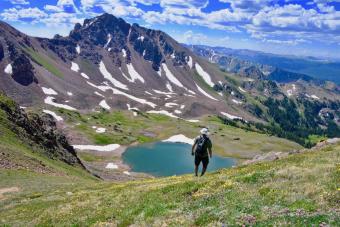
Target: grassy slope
300,190
18,156
123,128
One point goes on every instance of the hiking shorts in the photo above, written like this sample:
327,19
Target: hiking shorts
204,160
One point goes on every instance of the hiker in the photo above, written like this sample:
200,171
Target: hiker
200,149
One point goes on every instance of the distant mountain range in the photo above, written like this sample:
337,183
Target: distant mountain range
313,67
107,63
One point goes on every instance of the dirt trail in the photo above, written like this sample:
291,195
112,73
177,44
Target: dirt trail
7,190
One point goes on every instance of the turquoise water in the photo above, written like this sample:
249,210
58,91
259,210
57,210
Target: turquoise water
167,159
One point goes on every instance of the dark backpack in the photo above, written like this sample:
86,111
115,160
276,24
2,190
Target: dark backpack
200,151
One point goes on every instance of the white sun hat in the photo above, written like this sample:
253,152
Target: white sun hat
204,131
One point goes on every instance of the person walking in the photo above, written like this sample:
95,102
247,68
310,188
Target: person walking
200,148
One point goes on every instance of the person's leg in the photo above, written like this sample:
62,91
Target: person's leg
197,163
205,163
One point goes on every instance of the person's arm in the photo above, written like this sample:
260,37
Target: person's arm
193,147
210,149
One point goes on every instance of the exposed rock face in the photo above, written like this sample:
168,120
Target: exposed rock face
252,72
2,55
41,131
23,70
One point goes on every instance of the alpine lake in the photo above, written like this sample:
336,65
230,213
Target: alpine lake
168,159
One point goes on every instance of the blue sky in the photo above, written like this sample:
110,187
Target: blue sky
281,26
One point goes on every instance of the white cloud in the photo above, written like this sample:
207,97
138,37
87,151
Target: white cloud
19,2
14,14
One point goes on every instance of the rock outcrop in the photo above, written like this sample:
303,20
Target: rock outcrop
39,130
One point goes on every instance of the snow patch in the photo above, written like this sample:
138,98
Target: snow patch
164,112
104,104
182,107
124,53
49,91
111,165
232,117
50,101
78,49
312,96
100,130
193,120
69,93
206,77
9,69
170,76
109,77
241,89
127,173
109,38
179,139
169,87
205,93
97,93
75,67
178,112
133,109
190,62
118,92
289,92
107,148
236,101
53,114
85,76
170,104
141,38
134,74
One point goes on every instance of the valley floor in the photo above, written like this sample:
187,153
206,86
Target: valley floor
300,190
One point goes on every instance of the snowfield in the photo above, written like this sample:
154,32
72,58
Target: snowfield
205,93
206,77
50,101
9,70
179,139
134,74
109,77
54,115
75,67
104,104
171,76
49,91
105,148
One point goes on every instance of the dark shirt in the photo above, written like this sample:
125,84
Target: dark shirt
207,145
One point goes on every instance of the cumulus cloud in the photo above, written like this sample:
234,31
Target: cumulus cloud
287,23
14,14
